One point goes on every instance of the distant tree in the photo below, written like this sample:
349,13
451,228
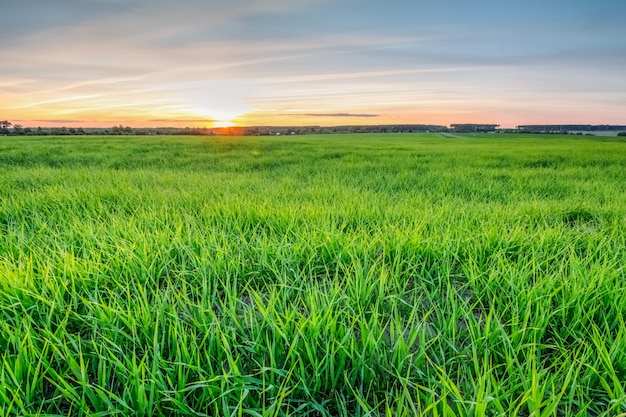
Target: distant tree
18,130
4,127
121,130
621,134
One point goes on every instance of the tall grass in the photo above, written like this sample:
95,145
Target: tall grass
374,275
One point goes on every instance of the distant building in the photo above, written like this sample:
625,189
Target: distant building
471,127
569,128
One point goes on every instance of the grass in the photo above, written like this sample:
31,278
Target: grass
372,275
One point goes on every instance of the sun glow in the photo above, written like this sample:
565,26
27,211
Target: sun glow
224,123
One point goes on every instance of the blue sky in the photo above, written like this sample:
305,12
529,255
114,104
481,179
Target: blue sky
320,62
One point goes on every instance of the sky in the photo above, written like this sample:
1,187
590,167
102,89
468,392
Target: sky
99,63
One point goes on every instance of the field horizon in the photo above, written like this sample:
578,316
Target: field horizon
326,275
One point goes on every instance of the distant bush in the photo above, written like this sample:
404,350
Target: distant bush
621,134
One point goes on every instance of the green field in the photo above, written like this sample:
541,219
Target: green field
333,275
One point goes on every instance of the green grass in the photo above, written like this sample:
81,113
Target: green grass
357,275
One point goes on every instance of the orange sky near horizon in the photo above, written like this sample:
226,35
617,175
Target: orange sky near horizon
87,111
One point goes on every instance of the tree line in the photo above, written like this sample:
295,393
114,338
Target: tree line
6,128
9,129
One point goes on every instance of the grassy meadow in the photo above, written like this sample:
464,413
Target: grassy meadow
334,275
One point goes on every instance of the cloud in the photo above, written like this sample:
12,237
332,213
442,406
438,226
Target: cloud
158,60
184,120
56,121
333,114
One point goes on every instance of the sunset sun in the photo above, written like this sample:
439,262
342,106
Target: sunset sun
223,123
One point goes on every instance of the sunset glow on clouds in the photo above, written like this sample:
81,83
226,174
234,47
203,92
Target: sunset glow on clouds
318,62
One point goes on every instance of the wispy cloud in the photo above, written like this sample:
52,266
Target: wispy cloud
183,120
58,121
365,115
